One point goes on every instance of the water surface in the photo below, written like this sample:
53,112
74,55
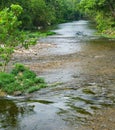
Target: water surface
80,68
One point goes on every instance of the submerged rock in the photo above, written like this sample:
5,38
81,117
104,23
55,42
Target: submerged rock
79,33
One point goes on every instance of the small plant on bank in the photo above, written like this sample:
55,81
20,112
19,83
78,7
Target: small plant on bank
20,79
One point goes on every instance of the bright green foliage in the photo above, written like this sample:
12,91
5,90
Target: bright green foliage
9,24
103,23
20,79
19,68
102,11
5,56
10,36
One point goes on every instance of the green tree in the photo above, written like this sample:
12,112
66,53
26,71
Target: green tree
10,36
102,11
44,12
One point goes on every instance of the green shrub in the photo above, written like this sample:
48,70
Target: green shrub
20,79
18,68
39,80
28,82
29,74
6,79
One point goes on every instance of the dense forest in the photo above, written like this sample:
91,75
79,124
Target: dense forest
102,12
42,13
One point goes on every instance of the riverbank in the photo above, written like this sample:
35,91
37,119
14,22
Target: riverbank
110,33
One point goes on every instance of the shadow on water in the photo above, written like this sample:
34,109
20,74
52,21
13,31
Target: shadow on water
8,113
11,113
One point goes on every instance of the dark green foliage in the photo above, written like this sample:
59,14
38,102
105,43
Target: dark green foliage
20,79
37,13
6,78
39,80
18,68
29,74
23,72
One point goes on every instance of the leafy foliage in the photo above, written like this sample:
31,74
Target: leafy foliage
9,24
102,11
20,79
44,12
10,36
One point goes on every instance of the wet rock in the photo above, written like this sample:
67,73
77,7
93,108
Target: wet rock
79,33
17,93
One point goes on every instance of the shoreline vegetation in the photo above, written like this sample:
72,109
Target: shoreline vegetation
108,34
20,81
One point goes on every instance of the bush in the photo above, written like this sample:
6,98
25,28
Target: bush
6,79
21,79
18,68
22,71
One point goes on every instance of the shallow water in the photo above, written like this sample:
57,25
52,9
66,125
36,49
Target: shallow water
80,68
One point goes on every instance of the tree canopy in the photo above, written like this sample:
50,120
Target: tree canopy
37,13
102,11
44,12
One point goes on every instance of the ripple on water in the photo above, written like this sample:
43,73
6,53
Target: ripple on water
85,102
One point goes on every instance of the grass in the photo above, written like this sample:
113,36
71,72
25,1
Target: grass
20,79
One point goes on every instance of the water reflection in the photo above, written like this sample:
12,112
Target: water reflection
11,113
8,113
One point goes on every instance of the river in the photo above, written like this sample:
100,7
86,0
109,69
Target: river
80,69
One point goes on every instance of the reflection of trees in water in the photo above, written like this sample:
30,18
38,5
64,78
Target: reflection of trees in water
10,113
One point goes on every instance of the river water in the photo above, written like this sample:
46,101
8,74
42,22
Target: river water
80,70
